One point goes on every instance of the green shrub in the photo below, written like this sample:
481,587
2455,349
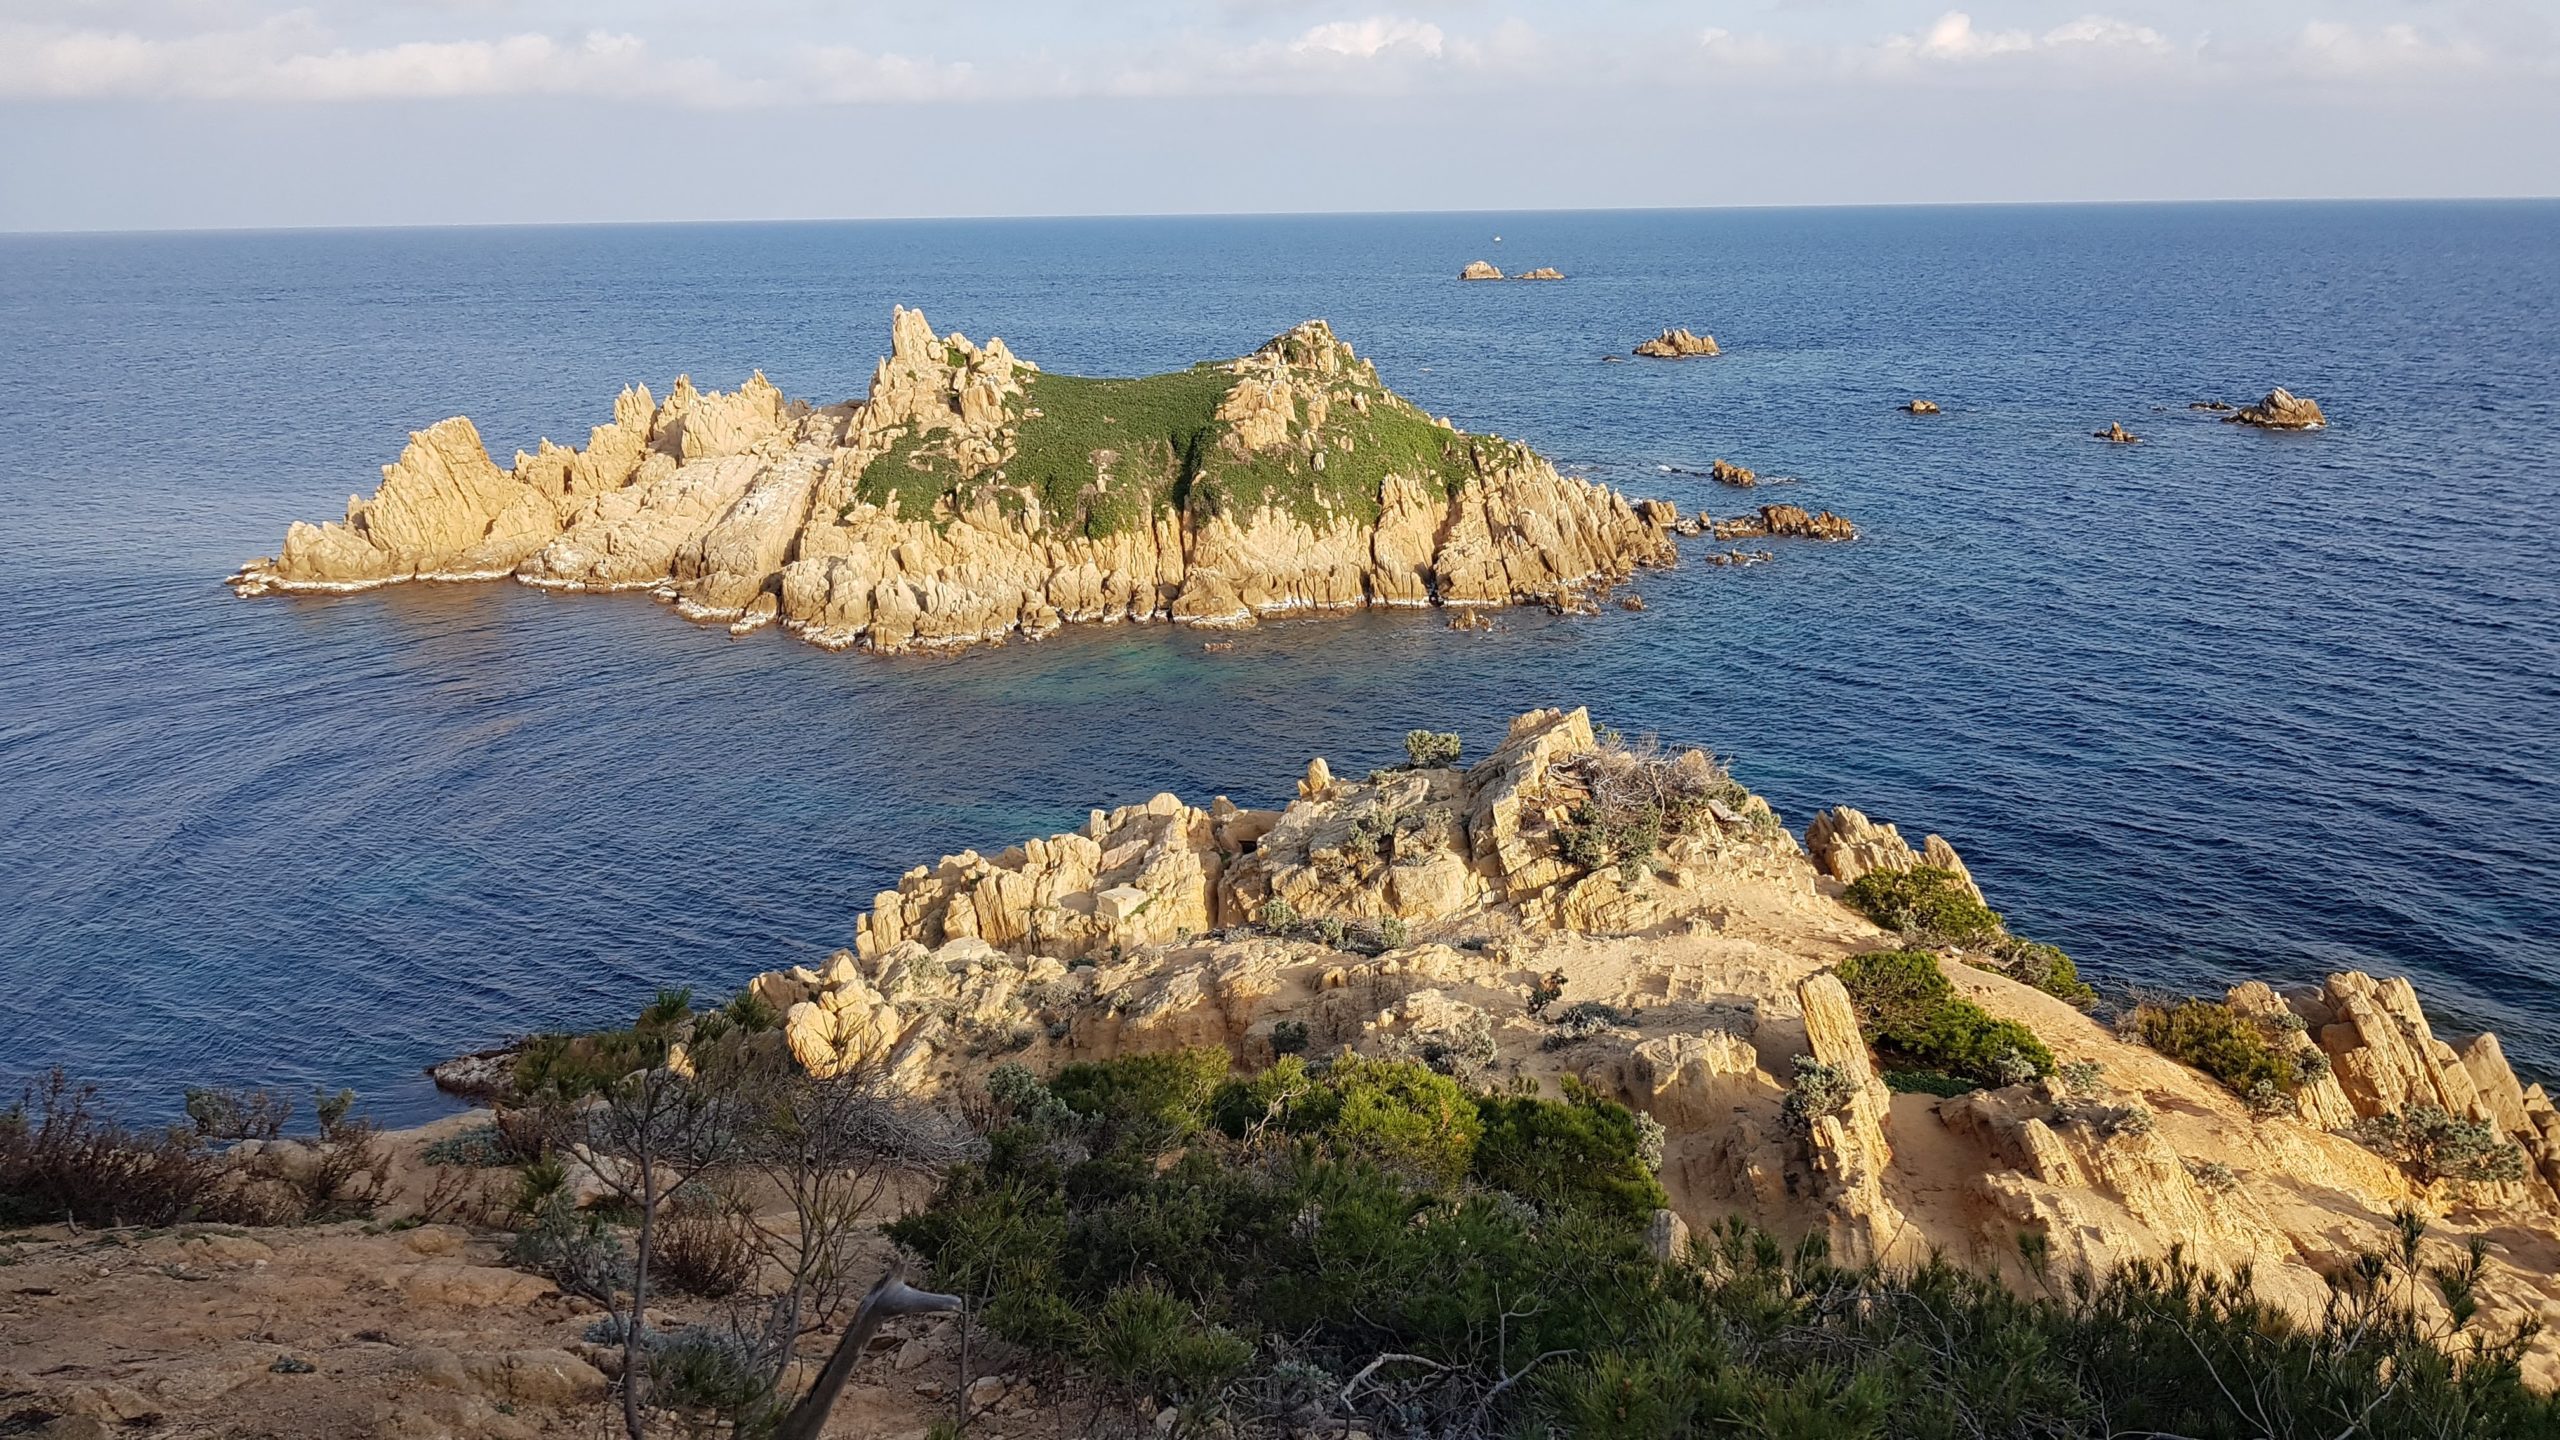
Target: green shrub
2043,967
1288,1037
1926,903
1432,749
1152,1345
1144,1102
1402,1116
1588,1151
1248,1270
1278,914
1929,1082
1909,1009
2263,1060
2434,1146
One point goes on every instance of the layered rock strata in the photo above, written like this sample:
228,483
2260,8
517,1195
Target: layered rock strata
970,497
1424,913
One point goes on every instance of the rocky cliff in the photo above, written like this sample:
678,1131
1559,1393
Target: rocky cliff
970,496
1476,919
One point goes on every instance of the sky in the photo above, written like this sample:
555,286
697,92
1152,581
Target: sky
177,114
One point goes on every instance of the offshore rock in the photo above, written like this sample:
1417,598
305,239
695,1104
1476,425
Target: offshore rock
1481,270
1543,272
1725,472
1678,344
2281,410
1922,407
969,497
1786,522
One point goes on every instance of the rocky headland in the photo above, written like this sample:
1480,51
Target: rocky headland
1489,919
971,496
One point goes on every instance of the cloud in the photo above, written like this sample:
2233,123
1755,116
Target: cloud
2389,52
1955,41
282,60
1369,39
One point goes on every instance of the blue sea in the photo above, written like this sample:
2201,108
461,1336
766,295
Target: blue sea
2224,704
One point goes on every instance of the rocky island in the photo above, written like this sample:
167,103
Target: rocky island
971,496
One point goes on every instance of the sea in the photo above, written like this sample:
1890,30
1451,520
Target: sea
2220,705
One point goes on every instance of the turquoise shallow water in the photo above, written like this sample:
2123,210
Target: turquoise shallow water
2224,704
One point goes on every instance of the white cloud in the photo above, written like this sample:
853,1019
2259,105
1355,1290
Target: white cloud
1368,39
1955,40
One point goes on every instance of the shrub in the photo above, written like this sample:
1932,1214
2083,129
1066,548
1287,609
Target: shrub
753,1013
1278,914
2262,1061
61,1158
1910,1009
1819,1090
572,1250
2214,1177
480,1147
1546,990
1403,1117
1580,1021
1926,903
2080,1077
1288,1037
1928,1082
1432,750
1151,1345
1588,1151
702,1244
1144,1102
1300,1276
2044,967
2433,1145
225,1115
1394,934
711,1376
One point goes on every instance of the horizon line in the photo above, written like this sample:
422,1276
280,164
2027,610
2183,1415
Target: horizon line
984,218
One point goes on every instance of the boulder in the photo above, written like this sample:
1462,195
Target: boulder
2281,410
2116,434
1922,407
1481,270
1543,272
1678,344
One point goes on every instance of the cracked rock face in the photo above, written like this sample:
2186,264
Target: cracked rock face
969,498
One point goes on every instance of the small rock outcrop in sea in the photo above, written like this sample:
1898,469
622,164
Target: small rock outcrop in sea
971,497
1725,472
1543,272
1922,407
2116,434
2217,406
1481,270
1786,522
2281,410
1678,345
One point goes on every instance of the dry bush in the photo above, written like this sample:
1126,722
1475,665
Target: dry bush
704,1243
62,1159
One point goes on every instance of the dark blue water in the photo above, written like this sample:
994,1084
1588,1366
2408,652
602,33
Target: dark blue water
2225,704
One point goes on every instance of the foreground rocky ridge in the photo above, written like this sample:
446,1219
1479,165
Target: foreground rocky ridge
970,497
1418,912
